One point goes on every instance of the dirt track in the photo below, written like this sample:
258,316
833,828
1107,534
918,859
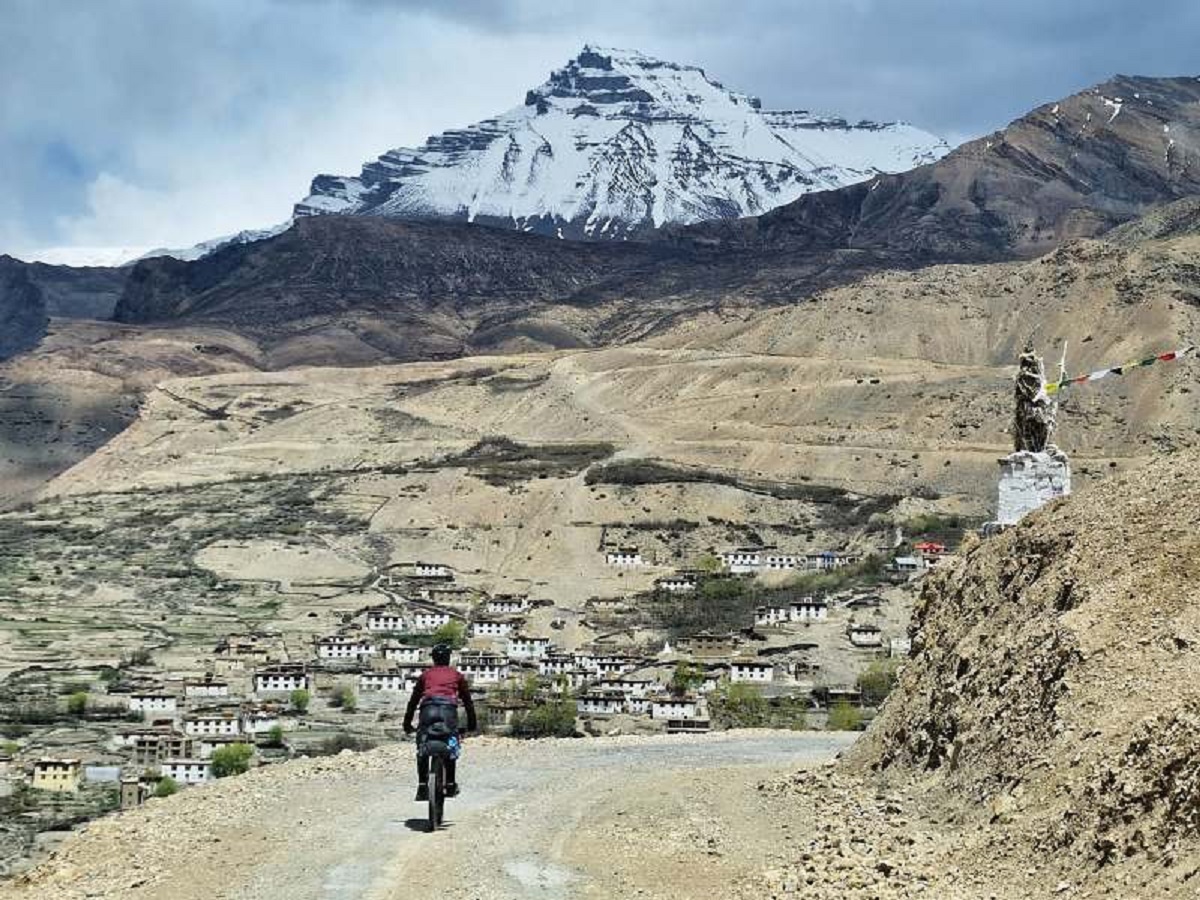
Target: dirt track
550,819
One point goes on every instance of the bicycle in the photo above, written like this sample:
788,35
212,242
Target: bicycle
439,748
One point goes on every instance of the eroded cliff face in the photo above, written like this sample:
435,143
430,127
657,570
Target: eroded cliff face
1053,682
23,317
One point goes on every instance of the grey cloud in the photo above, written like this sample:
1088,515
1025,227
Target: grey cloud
177,121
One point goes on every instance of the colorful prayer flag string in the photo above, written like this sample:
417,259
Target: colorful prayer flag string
1055,387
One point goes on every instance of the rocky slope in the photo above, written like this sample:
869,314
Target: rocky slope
1068,169
617,143
1052,689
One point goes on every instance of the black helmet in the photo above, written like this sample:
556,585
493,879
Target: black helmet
441,654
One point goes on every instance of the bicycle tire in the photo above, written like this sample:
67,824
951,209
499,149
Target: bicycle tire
433,783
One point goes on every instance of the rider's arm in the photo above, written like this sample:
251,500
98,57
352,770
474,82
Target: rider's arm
464,694
417,692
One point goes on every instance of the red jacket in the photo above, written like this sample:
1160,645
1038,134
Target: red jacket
444,683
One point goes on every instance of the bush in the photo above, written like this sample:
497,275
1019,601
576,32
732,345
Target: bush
166,787
300,699
739,706
686,677
9,748
552,718
77,703
453,634
844,716
332,746
877,681
232,759
343,698
274,737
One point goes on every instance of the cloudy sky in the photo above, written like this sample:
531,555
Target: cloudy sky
142,123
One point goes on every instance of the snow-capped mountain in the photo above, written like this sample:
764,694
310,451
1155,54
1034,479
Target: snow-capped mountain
617,142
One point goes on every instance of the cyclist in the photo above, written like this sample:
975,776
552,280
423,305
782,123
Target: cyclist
437,694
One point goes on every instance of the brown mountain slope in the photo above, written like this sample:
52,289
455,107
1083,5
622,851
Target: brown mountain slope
1066,170
371,288
1052,690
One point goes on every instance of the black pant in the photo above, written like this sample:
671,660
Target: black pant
431,713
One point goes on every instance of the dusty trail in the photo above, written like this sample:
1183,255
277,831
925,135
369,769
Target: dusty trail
347,828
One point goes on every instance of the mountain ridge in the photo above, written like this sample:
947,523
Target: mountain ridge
615,144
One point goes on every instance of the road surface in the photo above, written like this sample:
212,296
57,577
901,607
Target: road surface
588,818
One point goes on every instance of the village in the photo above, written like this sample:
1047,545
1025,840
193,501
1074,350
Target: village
259,698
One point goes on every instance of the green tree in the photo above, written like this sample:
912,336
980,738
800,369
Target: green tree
739,706
687,677
232,759
453,634
710,564
9,748
300,699
343,698
275,736
552,718
77,703
166,787
877,681
844,716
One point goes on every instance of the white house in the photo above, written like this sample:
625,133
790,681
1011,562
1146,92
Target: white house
402,654
197,690
781,562
828,559
430,620
344,648
908,564
808,610
751,670
866,636
489,628
153,702
186,771
260,721
206,746
483,668
766,616
679,583
522,646
398,681
637,706
600,703
200,724
899,646
673,708
385,619
556,664
431,570
624,557
743,560
629,687
282,679
613,665
507,604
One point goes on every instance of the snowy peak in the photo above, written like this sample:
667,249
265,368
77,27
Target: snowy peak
616,143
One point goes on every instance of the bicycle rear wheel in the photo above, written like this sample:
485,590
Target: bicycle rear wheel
435,786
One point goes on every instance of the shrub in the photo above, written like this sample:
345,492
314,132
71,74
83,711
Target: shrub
343,698
686,677
844,716
877,681
9,748
739,706
552,718
274,737
232,759
300,699
77,703
334,745
453,634
166,787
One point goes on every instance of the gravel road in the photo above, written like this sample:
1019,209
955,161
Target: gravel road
347,828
